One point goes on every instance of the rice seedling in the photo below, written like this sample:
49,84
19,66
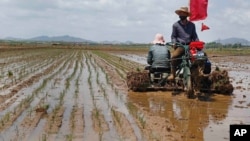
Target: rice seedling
72,117
97,77
100,135
7,116
45,107
142,120
116,116
138,115
30,111
10,73
116,92
138,69
44,137
62,94
69,137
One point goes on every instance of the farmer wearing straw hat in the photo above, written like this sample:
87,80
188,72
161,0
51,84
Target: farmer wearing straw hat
183,32
158,57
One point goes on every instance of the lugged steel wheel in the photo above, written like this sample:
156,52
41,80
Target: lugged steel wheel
188,82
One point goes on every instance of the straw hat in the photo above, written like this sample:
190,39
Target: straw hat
182,10
159,39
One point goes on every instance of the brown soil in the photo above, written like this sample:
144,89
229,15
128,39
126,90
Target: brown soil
115,112
77,125
123,126
54,121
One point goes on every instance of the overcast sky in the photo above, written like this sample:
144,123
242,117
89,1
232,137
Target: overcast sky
120,20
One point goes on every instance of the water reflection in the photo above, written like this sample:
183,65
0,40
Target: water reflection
156,107
190,117
200,120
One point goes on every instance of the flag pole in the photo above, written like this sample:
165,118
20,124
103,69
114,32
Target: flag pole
189,8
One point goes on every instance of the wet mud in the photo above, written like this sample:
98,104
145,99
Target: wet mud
62,94
203,119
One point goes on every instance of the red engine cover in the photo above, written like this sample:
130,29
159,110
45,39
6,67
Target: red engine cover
194,47
199,45
193,53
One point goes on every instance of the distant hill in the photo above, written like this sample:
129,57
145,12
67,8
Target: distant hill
233,40
65,38
12,39
116,42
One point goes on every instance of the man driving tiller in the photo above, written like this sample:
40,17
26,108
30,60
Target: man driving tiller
183,32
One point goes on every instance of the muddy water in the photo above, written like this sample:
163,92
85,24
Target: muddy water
135,58
17,130
197,119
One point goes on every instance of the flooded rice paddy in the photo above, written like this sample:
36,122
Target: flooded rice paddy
76,94
197,119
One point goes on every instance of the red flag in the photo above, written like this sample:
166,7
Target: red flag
204,27
198,10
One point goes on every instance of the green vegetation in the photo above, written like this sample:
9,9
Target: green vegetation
230,49
212,47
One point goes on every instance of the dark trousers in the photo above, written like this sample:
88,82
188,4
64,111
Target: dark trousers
159,69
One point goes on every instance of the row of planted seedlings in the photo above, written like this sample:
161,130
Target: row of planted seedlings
76,117
50,127
24,65
35,98
25,71
45,103
42,83
66,130
112,60
10,96
10,64
94,95
133,109
105,95
113,100
99,112
96,114
122,65
75,98
15,59
83,111
54,108
140,116
47,57
11,56
126,65
60,124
